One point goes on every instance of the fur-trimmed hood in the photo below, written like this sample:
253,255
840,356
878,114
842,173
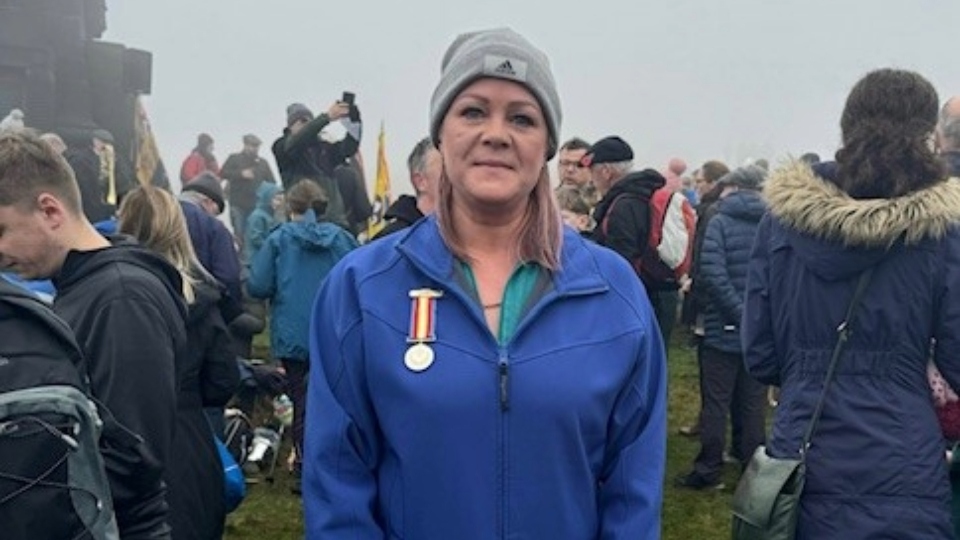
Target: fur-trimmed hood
815,206
838,235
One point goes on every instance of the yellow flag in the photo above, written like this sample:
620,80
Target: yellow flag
150,169
381,192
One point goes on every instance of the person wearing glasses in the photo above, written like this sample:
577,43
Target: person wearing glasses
573,172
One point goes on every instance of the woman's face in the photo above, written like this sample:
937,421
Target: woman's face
493,140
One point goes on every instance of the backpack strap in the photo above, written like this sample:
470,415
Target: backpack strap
29,305
604,223
606,217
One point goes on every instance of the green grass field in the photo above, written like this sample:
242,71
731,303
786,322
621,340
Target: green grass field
271,511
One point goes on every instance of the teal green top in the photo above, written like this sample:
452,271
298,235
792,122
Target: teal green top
519,287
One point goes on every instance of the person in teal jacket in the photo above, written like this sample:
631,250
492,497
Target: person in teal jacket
263,219
287,271
486,373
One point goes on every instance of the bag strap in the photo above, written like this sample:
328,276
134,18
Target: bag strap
843,334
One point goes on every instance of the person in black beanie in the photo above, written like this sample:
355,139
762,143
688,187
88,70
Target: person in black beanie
206,191
623,218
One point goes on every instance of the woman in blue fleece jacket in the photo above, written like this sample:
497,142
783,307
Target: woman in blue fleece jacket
486,373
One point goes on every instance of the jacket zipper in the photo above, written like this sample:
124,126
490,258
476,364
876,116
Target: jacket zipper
503,383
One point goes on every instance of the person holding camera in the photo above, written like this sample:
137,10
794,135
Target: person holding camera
303,153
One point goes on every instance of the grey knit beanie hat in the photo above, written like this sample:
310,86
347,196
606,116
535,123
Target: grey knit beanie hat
748,177
298,111
500,53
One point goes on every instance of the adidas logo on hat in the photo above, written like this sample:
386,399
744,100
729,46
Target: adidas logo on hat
506,68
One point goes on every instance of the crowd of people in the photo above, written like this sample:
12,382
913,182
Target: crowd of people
493,363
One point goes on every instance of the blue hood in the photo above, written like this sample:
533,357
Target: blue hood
310,234
265,194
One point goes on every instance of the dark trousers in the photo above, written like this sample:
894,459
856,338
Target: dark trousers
297,371
736,427
727,388
665,304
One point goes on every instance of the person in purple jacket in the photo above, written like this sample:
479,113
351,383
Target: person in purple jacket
486,373
875,465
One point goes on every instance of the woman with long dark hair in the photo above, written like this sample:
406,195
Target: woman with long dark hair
875,465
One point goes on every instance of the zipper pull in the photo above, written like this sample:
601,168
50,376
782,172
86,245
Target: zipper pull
504,387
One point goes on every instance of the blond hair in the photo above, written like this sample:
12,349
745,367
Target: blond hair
541,231
154,217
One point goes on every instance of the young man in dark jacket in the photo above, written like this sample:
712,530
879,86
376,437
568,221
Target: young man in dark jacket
123,304
302,153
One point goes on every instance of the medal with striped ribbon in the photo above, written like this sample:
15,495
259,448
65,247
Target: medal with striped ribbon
423,311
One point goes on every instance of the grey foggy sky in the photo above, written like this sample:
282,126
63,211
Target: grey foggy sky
699,79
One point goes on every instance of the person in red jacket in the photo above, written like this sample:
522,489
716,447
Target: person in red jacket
201,159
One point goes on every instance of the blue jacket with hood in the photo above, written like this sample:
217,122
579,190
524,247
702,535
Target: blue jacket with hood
261,221
876,466
558,433
288,270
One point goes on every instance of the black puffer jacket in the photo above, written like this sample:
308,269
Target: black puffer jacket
124,305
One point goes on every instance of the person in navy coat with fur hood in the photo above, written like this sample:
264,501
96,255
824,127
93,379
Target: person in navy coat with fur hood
876,466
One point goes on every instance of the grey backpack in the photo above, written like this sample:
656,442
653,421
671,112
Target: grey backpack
52,479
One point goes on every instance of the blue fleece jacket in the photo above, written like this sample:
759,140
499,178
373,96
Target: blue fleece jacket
559,433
